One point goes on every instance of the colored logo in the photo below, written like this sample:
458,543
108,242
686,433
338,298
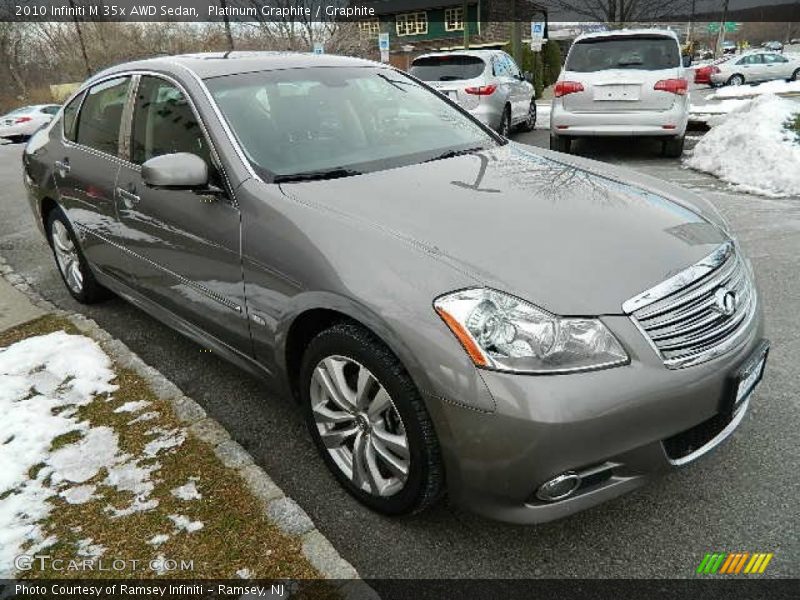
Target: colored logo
734,563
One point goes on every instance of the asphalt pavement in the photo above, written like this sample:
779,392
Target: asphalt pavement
741,497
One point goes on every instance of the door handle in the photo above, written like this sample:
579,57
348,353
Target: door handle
62,167
128,197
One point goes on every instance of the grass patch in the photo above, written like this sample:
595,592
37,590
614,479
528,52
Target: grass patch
65,439
793,125
235,534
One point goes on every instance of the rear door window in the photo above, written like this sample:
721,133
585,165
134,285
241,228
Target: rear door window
101,115
448,67
70,117
644,53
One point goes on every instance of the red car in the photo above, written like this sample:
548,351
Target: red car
702,74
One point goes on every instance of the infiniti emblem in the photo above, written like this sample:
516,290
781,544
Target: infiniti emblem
725,302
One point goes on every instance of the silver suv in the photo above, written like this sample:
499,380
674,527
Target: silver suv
622,83
487,83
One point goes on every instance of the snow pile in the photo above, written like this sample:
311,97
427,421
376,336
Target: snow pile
751,149
187,491
778,86
183,523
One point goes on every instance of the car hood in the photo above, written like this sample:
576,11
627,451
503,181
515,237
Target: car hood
575,237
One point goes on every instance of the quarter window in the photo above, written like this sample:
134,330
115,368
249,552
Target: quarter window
412,23
164,123
50,110
70,117
101,115
454,19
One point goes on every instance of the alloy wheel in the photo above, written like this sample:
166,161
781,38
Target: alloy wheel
67,257
360,426
531,116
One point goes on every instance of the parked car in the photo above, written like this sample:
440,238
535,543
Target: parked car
450,309
20,124
702,73
757,66
622,83
728,47
487,83
774,45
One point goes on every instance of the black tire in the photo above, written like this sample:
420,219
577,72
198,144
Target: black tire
90,291
560,143
504,128
529,124
17,139
673,148
425,481
736,79
796,75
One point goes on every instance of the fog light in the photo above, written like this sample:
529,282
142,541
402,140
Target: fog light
559,487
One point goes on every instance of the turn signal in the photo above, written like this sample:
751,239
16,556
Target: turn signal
567,87
673,86
484,90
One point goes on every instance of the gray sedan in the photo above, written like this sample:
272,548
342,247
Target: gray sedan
756,66
534,333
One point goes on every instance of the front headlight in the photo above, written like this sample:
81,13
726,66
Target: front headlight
502,332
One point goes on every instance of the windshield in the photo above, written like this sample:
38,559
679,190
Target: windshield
647,53
343,121
448,67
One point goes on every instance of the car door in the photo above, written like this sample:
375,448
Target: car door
776,67
502,74
183,243
521,91
86,161
752,67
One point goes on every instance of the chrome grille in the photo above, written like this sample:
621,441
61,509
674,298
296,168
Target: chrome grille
686,318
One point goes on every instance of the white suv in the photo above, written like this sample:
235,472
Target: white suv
622,83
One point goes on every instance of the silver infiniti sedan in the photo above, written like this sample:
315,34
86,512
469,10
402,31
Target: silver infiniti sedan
531,332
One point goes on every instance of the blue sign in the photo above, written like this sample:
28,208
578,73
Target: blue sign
537,30
383,41
318,48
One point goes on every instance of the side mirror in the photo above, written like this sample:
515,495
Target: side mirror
687,60
181,170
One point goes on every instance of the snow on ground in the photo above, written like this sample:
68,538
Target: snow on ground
43,381
132,406
183,523
157,540
187,492
751,149
703,112
778,86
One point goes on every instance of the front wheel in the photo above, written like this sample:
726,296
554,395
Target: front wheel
560,143
71,263
529,124
369,422
796,75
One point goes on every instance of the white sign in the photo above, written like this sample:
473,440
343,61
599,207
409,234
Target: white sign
537,30
385,56
318,48
536,46
383,42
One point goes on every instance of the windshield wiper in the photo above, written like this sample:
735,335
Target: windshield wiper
317,175
454,153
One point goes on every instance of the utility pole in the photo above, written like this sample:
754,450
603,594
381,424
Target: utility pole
516,35
223,5
691,22
721,34
80,38
465,11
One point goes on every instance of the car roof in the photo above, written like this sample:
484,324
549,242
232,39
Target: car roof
627,32
215,64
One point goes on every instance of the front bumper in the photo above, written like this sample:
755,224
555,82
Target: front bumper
634,123
612,422
23,129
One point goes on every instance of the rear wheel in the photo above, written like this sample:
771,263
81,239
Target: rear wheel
673,148
530,122
796,75
70,261
369,422
505,122
736,79
560,143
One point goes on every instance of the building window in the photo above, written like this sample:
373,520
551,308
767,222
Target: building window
412,23
370,27
454,19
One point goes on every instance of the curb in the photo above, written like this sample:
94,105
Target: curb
279,508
